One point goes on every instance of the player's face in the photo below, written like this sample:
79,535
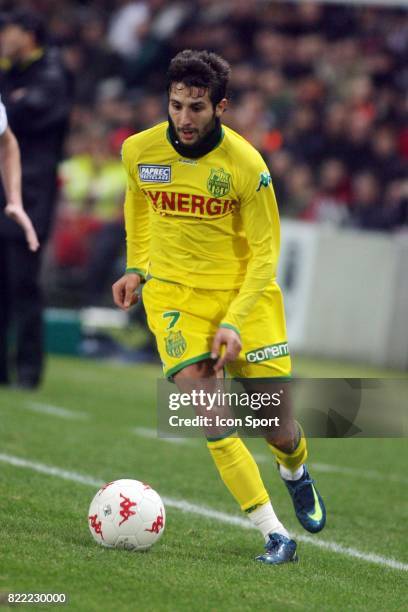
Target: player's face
192,112
12,40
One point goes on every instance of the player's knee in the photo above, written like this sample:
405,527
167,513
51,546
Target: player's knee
285,442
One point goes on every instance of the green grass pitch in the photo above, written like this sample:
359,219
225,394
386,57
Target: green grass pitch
200,563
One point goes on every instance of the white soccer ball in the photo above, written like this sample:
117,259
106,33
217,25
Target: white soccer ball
126,514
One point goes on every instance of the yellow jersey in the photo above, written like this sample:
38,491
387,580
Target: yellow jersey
209,223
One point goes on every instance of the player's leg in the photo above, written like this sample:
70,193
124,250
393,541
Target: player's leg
288,444
184,322
239,471
307,501
263,366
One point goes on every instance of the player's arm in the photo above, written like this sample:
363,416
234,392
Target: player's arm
137,224
260,218
10,170
10,167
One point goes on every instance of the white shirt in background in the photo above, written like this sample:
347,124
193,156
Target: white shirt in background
3,118
123,26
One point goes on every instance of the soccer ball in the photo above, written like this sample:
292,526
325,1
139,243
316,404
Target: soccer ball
126,514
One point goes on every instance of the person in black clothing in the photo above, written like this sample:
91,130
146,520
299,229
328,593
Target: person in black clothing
35,89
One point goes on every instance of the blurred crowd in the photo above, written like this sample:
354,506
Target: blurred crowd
319,89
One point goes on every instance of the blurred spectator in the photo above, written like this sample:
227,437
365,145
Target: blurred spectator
128,25
280,164
304,136
97,61
333,128
366,205
300,190
249,117
358,152
278,96
386,163
165,20
329,203
395,208
91,224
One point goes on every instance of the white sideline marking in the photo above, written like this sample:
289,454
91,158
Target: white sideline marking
50,471
146,432
191,508
63,413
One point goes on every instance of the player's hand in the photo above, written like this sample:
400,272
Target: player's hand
230,340
124,291
17,213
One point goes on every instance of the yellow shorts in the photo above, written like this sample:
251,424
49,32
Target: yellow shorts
184,321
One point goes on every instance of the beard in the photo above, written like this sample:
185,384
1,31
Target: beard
201,134
209,137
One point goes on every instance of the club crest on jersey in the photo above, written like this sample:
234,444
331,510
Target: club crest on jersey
219,182
175,344
154,173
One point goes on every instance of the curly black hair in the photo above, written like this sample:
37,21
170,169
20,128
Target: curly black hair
200,69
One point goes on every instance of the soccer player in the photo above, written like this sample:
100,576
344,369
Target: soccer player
10,170
202,223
